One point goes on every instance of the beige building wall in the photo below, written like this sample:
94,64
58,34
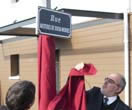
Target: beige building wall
27,50
100,44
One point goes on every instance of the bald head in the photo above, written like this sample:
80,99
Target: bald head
113,85
120,80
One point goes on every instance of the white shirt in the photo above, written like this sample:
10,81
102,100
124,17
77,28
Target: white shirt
111,99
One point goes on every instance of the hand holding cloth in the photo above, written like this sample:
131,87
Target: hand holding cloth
72,95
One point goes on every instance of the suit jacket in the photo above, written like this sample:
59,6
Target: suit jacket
94,99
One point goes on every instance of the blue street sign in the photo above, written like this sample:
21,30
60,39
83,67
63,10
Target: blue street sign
54,23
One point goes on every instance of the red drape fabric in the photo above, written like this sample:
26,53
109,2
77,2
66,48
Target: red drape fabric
46,71
72,95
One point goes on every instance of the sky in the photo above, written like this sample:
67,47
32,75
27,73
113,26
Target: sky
25,9
28,8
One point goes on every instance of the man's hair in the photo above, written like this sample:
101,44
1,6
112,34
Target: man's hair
21,95
122,82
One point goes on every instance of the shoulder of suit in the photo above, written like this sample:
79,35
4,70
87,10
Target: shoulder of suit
123,105
94,89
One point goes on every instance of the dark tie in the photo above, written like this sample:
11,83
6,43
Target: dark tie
105,101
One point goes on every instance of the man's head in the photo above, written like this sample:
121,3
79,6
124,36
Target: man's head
113,85
21,95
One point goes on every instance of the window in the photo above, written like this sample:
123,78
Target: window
14,65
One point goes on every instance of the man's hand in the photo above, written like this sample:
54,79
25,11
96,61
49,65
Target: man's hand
79,66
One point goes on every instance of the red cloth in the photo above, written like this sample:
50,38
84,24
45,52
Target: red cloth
72,95
46,71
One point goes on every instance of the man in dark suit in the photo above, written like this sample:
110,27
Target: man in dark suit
107,97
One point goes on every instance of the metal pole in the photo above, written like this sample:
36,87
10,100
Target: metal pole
126,57
129,5
48,4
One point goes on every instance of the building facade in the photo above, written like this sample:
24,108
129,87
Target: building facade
100,42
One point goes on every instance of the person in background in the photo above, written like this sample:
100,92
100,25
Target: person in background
3,107
20,96
106,97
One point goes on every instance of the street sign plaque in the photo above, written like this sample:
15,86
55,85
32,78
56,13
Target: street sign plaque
54,23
